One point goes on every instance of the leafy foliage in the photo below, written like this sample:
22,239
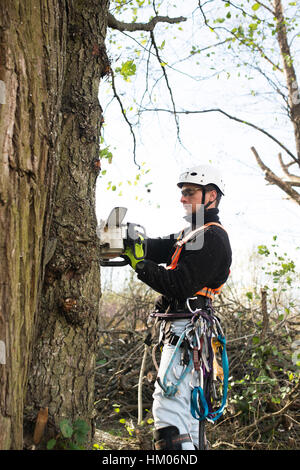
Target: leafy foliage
127,69
72,436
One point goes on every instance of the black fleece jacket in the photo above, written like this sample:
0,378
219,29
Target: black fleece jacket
208,266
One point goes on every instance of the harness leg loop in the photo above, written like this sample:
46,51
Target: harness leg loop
169,438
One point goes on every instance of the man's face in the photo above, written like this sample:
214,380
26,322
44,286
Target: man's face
191,198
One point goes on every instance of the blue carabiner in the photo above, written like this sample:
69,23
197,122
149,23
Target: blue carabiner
197,392
171,389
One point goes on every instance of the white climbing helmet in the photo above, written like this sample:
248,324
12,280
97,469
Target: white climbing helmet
202,175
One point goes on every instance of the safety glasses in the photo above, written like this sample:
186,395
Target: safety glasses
189,192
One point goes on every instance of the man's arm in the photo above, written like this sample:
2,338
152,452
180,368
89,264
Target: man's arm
208,267
159,250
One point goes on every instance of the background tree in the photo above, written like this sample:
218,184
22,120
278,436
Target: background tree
269,38
253,40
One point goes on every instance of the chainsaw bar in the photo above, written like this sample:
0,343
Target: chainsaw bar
116,217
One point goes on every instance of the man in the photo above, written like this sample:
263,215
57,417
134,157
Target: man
197,265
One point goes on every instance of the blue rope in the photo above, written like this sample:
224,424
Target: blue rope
197,392
170,389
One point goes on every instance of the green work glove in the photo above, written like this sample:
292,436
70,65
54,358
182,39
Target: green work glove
139,252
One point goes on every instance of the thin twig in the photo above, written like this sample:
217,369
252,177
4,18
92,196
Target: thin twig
234,118
140,386
275,414
161,63
125,117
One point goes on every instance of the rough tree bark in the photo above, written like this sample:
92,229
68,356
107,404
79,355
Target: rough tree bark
52,56
29,127
290,73
62,373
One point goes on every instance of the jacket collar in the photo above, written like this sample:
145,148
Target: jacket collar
196,220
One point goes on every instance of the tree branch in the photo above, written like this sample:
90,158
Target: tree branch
218,110
121,26
274,179
167,82
125,117
293,180
266,7
242,41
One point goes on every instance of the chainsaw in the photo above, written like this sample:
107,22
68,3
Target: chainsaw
115,237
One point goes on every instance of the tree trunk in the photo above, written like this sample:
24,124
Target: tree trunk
290,73
29,124
63,366
52,56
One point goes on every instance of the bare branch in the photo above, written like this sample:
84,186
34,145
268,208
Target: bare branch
167,81
121,26
244,12
234,118
125,117
293,180
277,413
274,179
266,7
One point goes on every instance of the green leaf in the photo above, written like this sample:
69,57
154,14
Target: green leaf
73,446
263,250
256,6
101,361
81,430
51,444
105,153
127,69
81,426
66,428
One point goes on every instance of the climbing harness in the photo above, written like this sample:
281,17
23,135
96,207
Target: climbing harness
199,343
192,236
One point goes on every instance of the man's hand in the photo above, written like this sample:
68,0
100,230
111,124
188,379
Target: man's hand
138,252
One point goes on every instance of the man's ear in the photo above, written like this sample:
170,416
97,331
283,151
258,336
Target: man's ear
213,195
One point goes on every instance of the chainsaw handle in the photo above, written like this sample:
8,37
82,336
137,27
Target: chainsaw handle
104,262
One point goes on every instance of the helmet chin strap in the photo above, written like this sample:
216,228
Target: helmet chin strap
209,203
192,218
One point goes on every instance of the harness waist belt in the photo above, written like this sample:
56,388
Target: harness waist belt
181,309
